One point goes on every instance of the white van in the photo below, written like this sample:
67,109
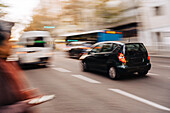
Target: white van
37,47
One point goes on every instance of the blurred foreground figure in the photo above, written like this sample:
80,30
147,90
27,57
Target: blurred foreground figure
14,93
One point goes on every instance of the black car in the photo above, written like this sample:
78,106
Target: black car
117,59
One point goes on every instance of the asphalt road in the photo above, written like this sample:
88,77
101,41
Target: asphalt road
92,92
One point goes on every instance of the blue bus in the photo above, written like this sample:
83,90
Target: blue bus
96,36
109,36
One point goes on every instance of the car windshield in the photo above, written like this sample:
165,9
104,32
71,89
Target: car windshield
134,48
35,42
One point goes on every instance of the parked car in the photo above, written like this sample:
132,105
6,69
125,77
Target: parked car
117,59
77,49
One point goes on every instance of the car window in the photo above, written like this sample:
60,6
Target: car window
134,48
107,47
96,49
115,46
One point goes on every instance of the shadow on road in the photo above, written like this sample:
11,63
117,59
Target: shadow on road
123,77
133,77
31,67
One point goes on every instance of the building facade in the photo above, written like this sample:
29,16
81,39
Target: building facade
154,31
127,21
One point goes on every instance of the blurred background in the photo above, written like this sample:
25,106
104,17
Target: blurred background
139,20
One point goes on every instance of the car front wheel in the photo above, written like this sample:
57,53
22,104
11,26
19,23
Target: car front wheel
84,66
113,74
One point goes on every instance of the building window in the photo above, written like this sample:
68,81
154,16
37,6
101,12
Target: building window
158,10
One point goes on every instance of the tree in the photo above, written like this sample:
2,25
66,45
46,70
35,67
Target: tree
107,11
2,13
77,15
40,19
70,17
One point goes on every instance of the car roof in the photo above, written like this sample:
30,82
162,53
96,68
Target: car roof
116,42
29,34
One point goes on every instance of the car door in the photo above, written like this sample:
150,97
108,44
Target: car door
103,56
92,59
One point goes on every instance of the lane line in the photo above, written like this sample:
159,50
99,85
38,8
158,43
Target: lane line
86,79
51,65
167,66
61,70
152,74
140,99
61,55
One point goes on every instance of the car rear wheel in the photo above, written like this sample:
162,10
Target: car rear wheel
84,66
113,74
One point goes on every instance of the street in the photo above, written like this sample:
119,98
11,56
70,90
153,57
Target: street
92,92
121,37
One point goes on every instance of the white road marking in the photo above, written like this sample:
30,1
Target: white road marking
61,70
152,74
75,60
51,65
140,99
86,79
61,55
164,66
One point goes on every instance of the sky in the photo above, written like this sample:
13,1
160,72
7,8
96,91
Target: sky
20,12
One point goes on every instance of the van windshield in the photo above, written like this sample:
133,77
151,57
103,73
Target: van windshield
36,42
134,48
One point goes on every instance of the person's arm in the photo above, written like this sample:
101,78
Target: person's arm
22,106
18,107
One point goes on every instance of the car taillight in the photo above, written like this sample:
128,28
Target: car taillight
148,57
121,57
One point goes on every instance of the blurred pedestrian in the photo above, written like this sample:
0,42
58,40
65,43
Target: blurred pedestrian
14,96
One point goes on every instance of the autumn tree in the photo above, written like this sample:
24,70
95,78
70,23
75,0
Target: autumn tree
78,15
2,13
107,11
40,19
